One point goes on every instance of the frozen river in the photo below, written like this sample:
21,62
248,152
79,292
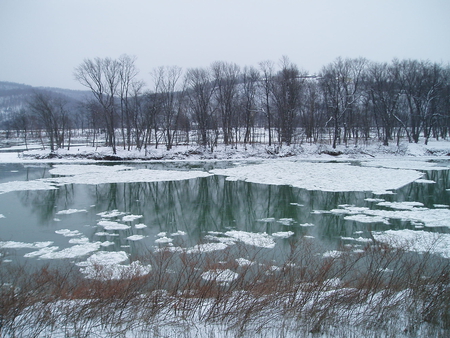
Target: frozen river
113,214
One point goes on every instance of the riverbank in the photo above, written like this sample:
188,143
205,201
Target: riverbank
83,153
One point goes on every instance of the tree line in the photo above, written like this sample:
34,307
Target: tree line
349,100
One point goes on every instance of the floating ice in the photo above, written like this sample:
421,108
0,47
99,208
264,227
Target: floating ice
70,211
97,174
261,240
416,240
322,176
283,234
207,247
111,214
131,218
140,226
111,225
68,233
135,237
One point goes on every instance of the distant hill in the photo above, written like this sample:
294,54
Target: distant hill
15,96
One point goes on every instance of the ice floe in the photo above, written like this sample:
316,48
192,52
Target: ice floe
98,174
416,240
322,176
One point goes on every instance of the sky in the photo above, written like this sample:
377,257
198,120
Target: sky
43,41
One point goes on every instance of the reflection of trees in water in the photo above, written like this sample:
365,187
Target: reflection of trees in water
197,206
43,202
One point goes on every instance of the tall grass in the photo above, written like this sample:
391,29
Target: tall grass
377,291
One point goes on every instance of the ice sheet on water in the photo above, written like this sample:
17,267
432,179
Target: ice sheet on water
403,164
262,240
68,233
322,176
70,211
135,237
416,240
131,218
25,186
105,265
22,245
112,225
283,234
97,174
74,251
406,211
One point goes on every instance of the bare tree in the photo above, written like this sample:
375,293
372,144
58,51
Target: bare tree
51,112
226,77
128,84
267,75
250,79
102,77
200,90
341,84
169,98
287,95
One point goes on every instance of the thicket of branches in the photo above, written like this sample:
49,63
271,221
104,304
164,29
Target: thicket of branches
349,100
378,291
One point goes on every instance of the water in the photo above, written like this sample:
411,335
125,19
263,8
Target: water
189,212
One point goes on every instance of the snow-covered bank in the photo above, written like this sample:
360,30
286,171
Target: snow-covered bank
82,153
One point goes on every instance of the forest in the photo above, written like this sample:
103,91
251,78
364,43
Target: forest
349,100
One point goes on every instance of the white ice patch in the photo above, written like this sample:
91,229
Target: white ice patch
140,226
73,252
106,266
405,211
70,211
244,262
2,216
283,234
286,221
207,247
97,174
68,233
135,237
322,176
261,240
418,241
22,245
423,181
367,219
401,205
111,213
131,218
112,225
220,275
403,164
164,240
25,186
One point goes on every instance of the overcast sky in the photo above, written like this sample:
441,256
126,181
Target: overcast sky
42,41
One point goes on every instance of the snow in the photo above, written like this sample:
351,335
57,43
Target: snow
418,241
283,234
70,211
96,174
261,240
322,176
112,225
408,212
135,237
